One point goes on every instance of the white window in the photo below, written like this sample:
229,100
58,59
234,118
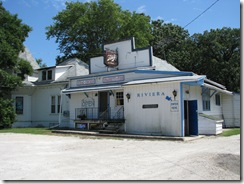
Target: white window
47,75
206,99
44,75
119,98
55,104
19,105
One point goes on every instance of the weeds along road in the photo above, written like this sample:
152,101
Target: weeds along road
42,157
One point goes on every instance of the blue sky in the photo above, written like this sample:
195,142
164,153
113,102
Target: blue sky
38,14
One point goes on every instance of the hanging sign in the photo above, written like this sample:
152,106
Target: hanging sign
111,58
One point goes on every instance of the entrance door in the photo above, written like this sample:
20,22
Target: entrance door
103,105
191,117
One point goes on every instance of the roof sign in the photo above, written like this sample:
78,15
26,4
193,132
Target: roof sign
111,58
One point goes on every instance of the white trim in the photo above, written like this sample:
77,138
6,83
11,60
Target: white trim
166,79
89,89
218,89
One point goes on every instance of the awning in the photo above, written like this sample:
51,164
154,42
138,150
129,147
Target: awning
167,79
89,89
218,89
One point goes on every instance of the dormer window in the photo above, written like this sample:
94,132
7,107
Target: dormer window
47,75
44,75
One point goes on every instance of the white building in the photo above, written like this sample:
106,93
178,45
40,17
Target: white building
38,102
127,90
138,93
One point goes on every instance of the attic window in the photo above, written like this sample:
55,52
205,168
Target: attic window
44,75
47,75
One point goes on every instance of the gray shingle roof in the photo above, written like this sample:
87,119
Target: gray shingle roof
26,55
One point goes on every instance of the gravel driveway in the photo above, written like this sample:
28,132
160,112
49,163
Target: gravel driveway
41,157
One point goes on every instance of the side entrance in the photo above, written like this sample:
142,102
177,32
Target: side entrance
191,117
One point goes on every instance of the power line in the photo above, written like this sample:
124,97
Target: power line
201,14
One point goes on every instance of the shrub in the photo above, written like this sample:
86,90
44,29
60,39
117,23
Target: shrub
7,113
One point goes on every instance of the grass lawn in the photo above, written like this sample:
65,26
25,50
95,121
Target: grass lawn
40,131
230,132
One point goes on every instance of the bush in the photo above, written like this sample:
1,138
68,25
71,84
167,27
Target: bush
7,114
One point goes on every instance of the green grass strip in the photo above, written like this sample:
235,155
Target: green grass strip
39,131
233,131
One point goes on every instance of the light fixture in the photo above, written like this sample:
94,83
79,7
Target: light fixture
128,96
174,93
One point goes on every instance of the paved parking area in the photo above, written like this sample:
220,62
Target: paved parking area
41,157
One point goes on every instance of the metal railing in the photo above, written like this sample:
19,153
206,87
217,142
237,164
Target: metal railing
93,113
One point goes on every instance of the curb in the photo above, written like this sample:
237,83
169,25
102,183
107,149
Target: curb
132,136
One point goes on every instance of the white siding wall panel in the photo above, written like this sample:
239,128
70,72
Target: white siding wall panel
41,111
127,58
156,120
237,110
231,110
209,127
59,72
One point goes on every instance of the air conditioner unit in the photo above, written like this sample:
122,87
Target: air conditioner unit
66,113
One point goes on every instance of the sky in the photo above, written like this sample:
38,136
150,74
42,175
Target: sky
38,14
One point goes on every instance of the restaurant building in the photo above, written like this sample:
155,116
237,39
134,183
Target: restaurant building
129,90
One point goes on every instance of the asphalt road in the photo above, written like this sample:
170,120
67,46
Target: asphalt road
41,157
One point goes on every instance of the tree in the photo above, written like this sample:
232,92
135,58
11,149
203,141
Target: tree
83,28
219,56
39,62
215,53
167,39
12,69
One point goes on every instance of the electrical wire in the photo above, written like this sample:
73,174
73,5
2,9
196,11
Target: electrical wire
201,14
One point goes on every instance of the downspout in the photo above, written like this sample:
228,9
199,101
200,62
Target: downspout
60,107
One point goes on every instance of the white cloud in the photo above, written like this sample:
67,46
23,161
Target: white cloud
141,9
170,20
57,4
159,17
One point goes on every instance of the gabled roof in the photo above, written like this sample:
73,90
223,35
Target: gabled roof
163,65
26,55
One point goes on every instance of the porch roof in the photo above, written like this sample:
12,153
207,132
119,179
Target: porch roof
167,79
91,88
218,89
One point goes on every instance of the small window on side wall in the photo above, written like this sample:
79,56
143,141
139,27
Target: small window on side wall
217,100
206,99
19,105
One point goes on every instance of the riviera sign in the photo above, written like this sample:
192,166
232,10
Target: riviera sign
149,94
